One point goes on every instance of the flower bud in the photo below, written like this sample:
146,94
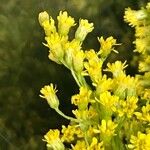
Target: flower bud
84,28
43,16
65,22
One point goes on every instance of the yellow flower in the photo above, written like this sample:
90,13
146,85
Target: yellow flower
125,86
93,66
84,28
49,27
108,100
70,133
107,128
70,49
145,114
53,140
116,68
43,16
148,6
140,142
78,59
104,85
142,31
127,106
49,93
80,145
54,42
85,115
106,46
65,22
95,145
134,18
82,99
142,45
145,64
146,94
47,23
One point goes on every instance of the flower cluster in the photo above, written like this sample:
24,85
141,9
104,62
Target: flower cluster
111,113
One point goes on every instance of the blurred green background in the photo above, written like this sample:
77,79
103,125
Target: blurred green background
25,67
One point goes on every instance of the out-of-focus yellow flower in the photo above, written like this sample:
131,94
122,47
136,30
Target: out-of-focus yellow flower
145,114
133,17
145,64
65,22
53,140
146,94
82,99
106,128
116,68
49,93
80,145
140,142
84,28
142,31
106,46
142,45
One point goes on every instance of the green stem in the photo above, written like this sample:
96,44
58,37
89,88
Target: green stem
117,142
79,79
75,77
86,140
65,116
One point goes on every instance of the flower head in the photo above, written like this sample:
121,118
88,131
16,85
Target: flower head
84,28
47,23
49,93
104,85
107,128
55,44
65,22
106,46
53,140
108,100
82,99
93,66
140,142
43,16
95,145
127,106
71,132
80,145
145,114
134,17
116,68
